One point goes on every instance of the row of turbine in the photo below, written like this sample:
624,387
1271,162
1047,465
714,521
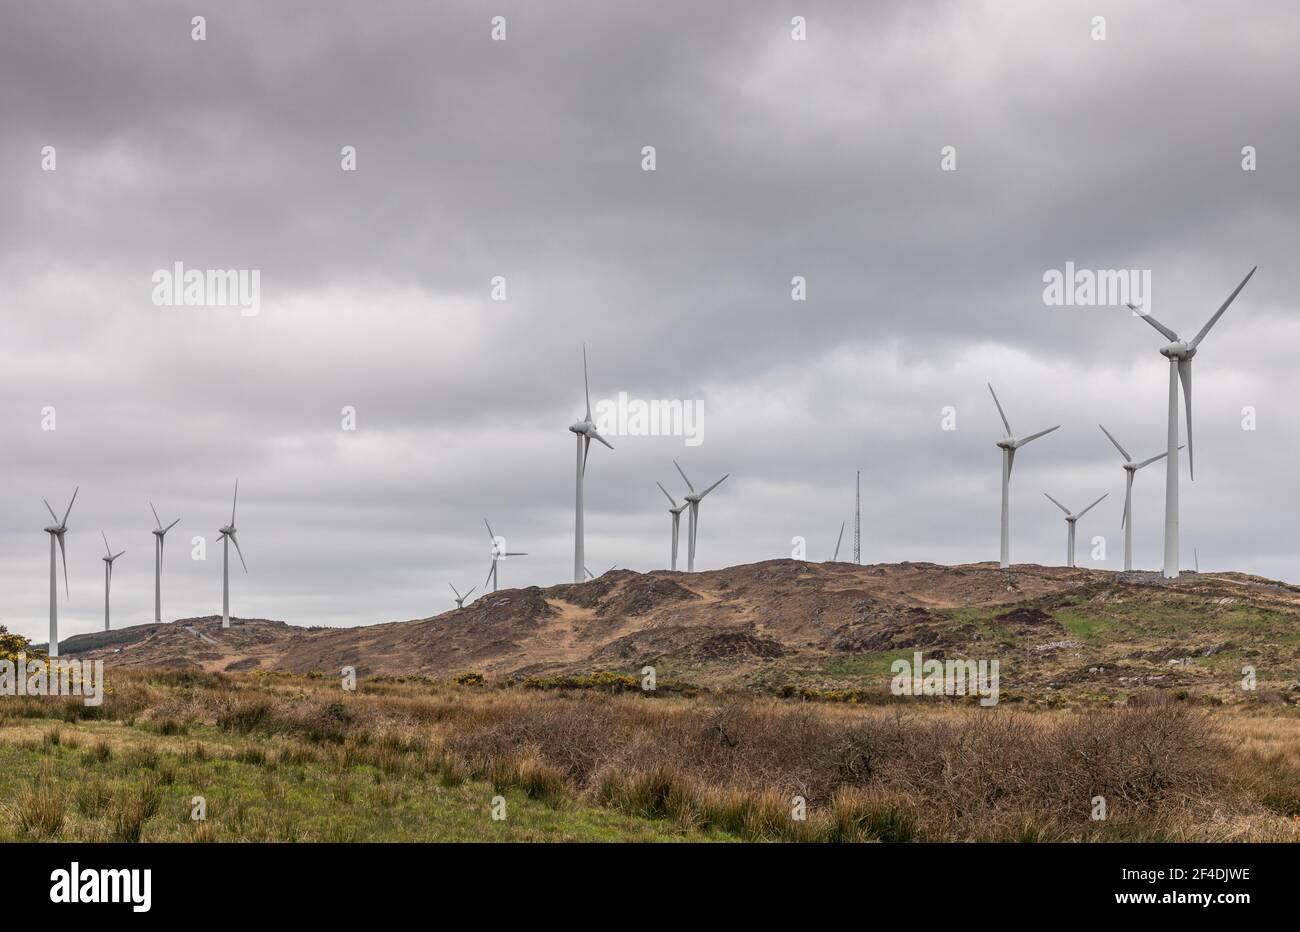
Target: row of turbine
59,529
1179,353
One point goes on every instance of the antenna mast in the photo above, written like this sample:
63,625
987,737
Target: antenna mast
857,522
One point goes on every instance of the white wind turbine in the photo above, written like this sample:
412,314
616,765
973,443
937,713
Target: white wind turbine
586,432
1180,353
1131,468
158,534
460,599
498,554
228,537
1070,520
693,500
56,532
1009,444
108,558
676,512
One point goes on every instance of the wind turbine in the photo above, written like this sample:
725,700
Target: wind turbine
56,532
1126,522
108,559
586,432
498,554
676,512
460,599
227,537
836,558
591,575
694,499
158,534
1009,444
1180,353
1070,519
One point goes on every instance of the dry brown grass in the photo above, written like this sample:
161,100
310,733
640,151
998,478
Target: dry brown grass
736,763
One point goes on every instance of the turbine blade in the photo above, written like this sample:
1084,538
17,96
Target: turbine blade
1158,456
1005,422
235,540
592,433
471,589
1057,504
53,516
588,572
155,515
1168,334
453,589
1122,451
118,554
69,511
838,540
1022,442
172,525
489,527
688,481
1128,501
586,385
1011,460
1185,376
491,567
665,491
512,553
107,549
1212,321
712,487
63,550
586,448
234,503
1093,505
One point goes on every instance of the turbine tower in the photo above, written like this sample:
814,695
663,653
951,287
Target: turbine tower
838,540
585,431
108,558
228,537
857,522
1009,444
56,532
694,499
1131,468
1070,520
1180,353
158,534
498,554
460,599
676,512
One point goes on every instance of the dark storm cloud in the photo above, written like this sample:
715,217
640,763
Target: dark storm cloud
521,159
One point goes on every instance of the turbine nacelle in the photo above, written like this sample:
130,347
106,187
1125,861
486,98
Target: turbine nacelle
1179,349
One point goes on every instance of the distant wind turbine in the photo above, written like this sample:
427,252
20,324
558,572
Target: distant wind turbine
1180,353
586,432
460,599
158,534
694,499
591,575
1009,444
108,558
1070,520
497,555
676,512
228,537
1131,468
56,531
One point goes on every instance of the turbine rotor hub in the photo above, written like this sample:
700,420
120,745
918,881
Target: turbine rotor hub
1177,350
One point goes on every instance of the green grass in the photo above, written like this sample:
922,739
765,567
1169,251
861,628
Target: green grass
272,801
1086,627
873,667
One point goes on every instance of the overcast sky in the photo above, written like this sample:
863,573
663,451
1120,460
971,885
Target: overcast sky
522,158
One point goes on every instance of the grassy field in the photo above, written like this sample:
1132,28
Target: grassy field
298,759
